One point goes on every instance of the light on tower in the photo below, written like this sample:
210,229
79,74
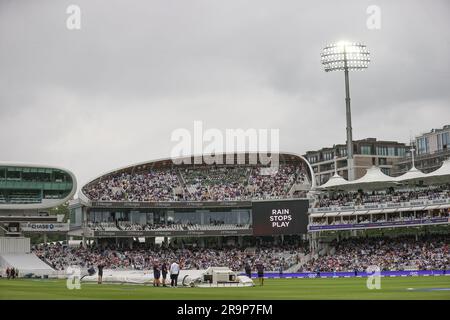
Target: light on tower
346,56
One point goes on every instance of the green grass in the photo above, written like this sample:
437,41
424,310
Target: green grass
338,288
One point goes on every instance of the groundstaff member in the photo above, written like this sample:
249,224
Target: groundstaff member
260,270
164,273
248,269
174,271
156,274
100,273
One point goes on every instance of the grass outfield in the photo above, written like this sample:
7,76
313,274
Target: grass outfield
337,288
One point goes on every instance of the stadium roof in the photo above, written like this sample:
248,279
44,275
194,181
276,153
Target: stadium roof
440,175
411,175
335,182
375,178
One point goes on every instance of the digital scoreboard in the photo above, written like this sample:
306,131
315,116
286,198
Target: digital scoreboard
279,217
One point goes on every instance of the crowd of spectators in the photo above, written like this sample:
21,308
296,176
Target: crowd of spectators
389,254
265,184
348,255
273,257
339,199
217,183
129,226
154,185
212,183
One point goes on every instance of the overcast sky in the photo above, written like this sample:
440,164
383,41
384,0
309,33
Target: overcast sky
111,93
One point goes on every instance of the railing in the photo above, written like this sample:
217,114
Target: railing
350,274
384,224
127,226
386,205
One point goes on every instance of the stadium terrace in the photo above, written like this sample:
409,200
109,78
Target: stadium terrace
164,199
378,201
233,215
165,181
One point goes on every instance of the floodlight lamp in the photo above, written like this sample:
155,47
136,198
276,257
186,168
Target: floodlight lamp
345,55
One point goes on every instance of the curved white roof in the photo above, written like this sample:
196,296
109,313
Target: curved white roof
442,174
373,174
411,175
335,182
373,179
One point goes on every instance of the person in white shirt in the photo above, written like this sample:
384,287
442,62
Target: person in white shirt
174,271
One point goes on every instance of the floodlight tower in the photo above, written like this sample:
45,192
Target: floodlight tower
346,56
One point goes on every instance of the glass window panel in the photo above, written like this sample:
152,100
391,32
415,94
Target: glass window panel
365,150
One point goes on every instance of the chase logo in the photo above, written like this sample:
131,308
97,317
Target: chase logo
43,226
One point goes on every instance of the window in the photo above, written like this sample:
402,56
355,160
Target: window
245,216
187,217
443,141
312,159
221,217
401,152
382,151
138,217
366,150
150,217
328,156
72,216
14,175
422,144
446,140
36,176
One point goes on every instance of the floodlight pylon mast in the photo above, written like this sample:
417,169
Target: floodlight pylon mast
350,162
346,56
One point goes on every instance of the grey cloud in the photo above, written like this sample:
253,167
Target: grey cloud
112,93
